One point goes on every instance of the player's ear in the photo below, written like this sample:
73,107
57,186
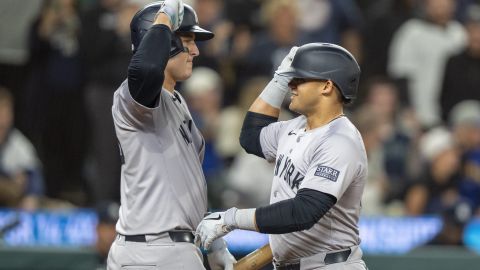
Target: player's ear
327,87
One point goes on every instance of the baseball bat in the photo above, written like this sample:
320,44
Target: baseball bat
255,260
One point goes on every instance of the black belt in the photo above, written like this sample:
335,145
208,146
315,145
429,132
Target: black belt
176,236
330,258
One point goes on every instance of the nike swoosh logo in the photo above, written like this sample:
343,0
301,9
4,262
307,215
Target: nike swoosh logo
291,133
214,218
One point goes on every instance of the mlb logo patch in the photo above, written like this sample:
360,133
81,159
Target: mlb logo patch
327,172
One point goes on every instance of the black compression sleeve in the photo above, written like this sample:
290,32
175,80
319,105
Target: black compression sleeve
250,134
296,214
145,71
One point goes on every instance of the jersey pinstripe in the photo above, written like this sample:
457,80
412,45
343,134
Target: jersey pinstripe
162,182
330,159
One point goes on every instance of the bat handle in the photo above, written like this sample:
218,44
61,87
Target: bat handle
256,259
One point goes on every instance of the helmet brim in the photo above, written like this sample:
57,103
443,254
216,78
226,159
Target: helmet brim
296,73
200,33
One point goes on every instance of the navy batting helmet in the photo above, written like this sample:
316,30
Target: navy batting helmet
143,19
327,61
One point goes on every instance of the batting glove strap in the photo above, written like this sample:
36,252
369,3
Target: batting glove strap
241,218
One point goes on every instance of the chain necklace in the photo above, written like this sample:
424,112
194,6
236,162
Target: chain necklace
335,118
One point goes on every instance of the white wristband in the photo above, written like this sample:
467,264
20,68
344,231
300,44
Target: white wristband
245,219
275,91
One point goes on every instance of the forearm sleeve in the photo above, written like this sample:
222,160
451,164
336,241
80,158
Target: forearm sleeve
296,214
250,134
147,66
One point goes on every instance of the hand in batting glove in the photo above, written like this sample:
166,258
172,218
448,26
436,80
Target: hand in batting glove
287,61
277,88
281,79
219,257
174,10
214,226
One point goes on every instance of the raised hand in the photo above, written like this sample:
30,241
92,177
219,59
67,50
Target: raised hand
174,10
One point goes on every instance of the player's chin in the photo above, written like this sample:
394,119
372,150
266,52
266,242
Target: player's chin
186,74
292,106
189,68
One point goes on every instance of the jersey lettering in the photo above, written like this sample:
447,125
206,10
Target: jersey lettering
279,161
297,181
288,170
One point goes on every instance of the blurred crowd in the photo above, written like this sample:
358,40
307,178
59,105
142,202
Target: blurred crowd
418,108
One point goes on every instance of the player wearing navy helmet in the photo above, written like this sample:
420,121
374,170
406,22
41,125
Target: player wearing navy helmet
163,189
320,164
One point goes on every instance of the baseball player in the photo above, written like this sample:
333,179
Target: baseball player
320,164
163,189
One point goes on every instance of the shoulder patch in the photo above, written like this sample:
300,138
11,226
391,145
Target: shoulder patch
327,172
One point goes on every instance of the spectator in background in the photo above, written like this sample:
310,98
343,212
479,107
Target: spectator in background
461,80
454,219
464,119
369,125
332,21
107,213
231,119
210,16
17,18
21,181
229,41
106,50
418,53
203,92
470,184
399,132
389,134
437,187
383,18
270,46
244,13
55,110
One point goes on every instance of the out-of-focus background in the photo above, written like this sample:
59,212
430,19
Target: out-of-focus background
418,111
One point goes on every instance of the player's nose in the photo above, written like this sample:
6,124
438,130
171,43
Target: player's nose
194,50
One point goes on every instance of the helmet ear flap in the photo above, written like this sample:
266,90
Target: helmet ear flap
177,46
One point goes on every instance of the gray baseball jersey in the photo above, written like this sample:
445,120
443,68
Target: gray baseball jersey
330,159
162,182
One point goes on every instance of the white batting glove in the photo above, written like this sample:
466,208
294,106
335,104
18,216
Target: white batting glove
276,90
219,257
287,61
174,10
214,226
